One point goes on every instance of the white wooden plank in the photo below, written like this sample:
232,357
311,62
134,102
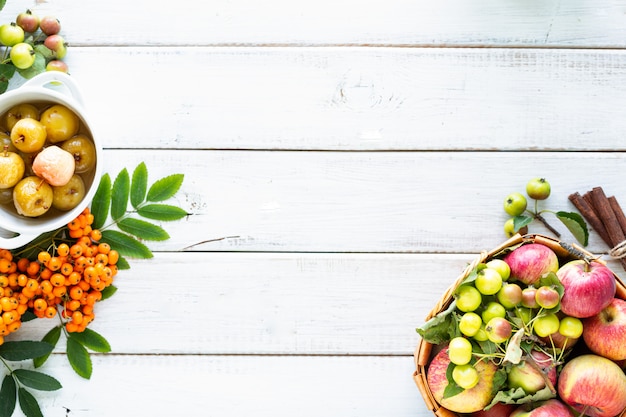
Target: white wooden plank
271,303
247,22
164,386
362,201
355,98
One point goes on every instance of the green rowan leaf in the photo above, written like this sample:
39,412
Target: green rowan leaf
163,212
24,349
121,191
79,358
92,340
139,186
37,380
165,188
52,337
576,225
101,202
28,403
108,292
122,264
8,396
143,229
126,245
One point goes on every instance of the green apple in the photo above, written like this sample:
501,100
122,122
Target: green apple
515,204
538,189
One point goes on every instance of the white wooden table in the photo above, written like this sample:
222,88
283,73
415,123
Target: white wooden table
354,155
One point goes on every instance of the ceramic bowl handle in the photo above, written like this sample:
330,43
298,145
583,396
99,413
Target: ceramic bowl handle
16,241
57,81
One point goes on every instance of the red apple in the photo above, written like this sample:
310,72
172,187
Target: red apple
498,410
533,373
605,333
593,385
588,288
559,341
530,262
549,408
468,401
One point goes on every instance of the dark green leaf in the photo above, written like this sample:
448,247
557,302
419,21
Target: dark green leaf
92,340
143,229
165,187
119,198
440,328
37,380
139,186
52,337
27,316
126,245
8,396
28,403
521,221
122,264
44,51
576,225
163,212
24,349
6,73
79,358
452,388
2,3
101,202
108,292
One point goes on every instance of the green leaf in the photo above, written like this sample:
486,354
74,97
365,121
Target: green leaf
6,73
521,221
126,245
37,380
122,264
24,349
8,396
101,202
519,396
27,316
143,229
440,328
2,3
52,337
108,292
165,187
119,199
163,212
92,340
79,358
576,225
28,403
139,186
44,51
452,388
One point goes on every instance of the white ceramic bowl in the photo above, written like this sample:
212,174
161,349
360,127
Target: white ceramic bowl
48,87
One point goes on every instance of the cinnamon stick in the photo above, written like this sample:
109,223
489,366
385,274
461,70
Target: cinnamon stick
603,207
619,213
587,211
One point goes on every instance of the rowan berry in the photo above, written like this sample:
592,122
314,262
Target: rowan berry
54,264
33,268
76,292
76,250
73,305
114,256
76,233
50,312
57,279
95,234
66,268
43,257
74,278
5,265
32,284
4,281
40,304
14,326
22,264
45,273
9,317
8,303
6,254
59,291
71,327
21,309
21,280
74,224
63,249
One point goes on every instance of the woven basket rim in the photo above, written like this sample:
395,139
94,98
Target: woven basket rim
424,349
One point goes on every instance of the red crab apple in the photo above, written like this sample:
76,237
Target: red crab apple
497,410
605,333
593,385
559,341
533,376
469,400
549,408
530,262
588,288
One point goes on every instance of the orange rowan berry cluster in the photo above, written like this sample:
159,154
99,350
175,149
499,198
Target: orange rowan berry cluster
68,279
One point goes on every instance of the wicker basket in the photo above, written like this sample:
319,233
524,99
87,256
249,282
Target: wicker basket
424,351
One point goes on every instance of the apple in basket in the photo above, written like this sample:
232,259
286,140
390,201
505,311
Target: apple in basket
497,410
588,288
605,333
528,263
530,374
549,408
468,401
593,385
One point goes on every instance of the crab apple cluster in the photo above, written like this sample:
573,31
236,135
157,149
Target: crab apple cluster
516,204
66,279
30,36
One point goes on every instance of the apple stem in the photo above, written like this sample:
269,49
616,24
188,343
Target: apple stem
539,217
